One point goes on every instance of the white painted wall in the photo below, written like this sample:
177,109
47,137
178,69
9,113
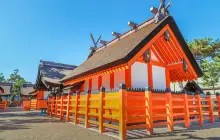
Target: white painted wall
46,93
159,77
86,84
119,77
139,75
95,83
106,81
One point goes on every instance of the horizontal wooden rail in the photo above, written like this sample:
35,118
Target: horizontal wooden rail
132,110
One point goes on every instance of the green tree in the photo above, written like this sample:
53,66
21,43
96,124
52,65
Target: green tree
2,78
17,82
207,53
211,73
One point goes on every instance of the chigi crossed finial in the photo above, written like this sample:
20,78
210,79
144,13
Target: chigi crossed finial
161,12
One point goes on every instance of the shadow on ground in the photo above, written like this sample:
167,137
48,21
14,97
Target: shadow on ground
20,120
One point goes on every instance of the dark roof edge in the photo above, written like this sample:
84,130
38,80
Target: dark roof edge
103,67
55,64
185,47
168,20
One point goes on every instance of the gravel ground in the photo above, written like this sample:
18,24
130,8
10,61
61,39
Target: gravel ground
20,125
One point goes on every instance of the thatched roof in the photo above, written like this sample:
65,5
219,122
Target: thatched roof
7,89
26,89
120,51
50,73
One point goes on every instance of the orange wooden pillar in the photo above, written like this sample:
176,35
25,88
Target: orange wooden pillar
167,78
128,77
88,95
61,108
186,110
76,107
48,106
169,110
68,108
101,110
112,81
56,106
150,75
52,107
5,106
90,84
149,115
122,111
218,104
198,98
211,114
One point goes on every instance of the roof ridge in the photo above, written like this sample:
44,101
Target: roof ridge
6,84
55,64
127,33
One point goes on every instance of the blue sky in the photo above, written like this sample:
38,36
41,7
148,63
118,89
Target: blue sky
58,30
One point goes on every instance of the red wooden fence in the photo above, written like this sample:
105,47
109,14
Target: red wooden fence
129,109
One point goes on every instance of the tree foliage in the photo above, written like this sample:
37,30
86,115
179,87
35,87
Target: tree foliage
16,80
207,53
2,78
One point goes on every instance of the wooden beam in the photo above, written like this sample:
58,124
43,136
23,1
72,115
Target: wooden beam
112,81
167,78
156,54
180,49
128,77
175,66
166,49
150,75
90,84
160,51
155,63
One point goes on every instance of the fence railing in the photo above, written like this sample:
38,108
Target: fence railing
3,105
128,109
34,104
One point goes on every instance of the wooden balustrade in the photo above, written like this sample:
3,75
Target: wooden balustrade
128,109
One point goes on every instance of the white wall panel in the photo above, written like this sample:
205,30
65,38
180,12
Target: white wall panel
159,77
119,77
106,81
46,93
139,75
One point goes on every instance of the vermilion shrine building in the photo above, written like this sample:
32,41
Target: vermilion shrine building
153,53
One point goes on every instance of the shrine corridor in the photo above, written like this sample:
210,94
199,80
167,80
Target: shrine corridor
19,125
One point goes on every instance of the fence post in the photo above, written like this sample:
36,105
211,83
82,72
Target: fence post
61,108
122,111
211,114
5,106
218,103
199,108
76,108
186,110
52,106
68,108
169,110
56,107
149,115
48,105
101,109
88,94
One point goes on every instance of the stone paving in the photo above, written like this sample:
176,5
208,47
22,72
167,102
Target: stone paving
23,125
